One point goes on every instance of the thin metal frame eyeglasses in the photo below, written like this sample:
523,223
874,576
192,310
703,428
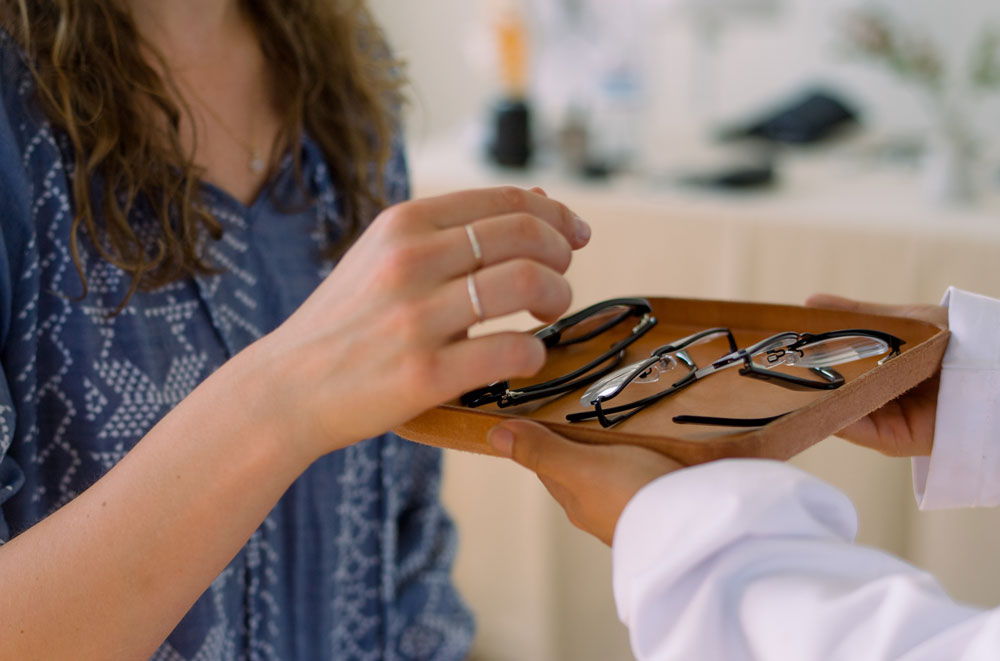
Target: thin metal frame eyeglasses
817,352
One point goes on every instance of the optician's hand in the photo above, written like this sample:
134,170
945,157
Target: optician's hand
905,426
384,337
593,483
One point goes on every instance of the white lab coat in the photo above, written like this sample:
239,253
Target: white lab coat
753,559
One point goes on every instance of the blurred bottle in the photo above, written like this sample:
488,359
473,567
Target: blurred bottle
511,113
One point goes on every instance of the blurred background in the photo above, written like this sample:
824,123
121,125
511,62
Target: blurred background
741,149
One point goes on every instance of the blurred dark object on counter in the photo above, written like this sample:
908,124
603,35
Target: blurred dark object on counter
737,177
811,118
511,143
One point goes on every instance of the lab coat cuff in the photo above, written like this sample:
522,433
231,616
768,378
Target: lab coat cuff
677,520
964,467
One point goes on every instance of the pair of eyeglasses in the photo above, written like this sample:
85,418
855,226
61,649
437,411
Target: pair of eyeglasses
816,353
623,320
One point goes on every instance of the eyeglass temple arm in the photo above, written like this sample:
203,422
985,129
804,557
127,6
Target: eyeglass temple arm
501,394
485,395
572,381
832,379
724,422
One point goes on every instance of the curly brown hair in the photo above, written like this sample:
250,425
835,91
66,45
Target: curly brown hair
333,79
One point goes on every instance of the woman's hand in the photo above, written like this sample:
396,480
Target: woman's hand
593,483
384,337
905,426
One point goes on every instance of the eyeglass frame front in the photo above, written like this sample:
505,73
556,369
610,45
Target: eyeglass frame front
503,396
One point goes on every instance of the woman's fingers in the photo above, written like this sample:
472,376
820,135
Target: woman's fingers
519,285
467,206
512,286
394,312
471,363
499,238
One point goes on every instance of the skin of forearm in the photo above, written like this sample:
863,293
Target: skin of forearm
110,574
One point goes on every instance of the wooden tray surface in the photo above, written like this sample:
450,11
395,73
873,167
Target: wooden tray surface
815,416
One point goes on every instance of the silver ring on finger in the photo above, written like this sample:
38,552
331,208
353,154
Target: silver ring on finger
477,305
477,250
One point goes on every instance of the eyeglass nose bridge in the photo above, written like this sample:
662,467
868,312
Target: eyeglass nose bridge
783,356
606,388
667,362
599,393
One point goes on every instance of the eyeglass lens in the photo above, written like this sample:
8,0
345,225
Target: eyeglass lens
598,324
825,353
667,364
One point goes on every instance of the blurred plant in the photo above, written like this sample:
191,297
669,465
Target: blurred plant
874,34
986,60
955,142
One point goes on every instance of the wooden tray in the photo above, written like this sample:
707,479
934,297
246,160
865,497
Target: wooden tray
815,415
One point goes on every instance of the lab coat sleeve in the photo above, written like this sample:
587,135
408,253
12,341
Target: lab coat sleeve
753,559
964,467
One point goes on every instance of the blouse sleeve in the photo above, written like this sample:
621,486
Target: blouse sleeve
964,467
11,477
14,217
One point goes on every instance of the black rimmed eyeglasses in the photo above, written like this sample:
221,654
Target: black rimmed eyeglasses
626,319
817,353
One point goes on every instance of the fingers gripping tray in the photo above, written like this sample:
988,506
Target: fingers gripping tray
811,415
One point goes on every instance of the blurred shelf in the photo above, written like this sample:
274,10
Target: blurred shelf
828,187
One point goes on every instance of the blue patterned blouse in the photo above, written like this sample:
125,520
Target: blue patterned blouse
354,561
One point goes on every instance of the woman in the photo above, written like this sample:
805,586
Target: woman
188,371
